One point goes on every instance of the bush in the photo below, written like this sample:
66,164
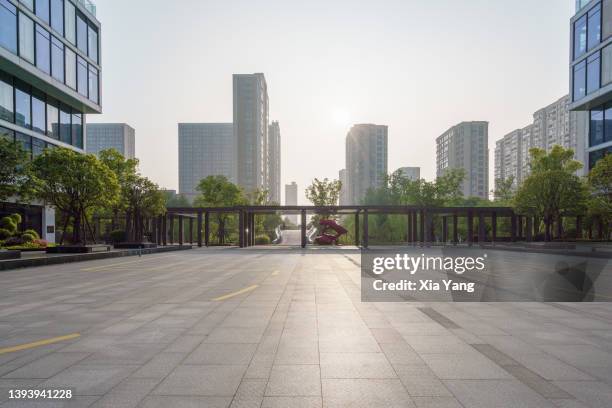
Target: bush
32,232
5,234
117,236
14,241
27,238
262,239
16,218
9,224
41,243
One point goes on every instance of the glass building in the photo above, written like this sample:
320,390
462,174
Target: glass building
49,76
366,160
591,73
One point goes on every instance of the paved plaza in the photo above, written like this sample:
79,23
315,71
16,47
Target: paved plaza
286,328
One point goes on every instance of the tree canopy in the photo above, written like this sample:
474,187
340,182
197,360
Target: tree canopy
324,192
13,169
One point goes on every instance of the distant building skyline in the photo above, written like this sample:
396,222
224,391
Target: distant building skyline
291,198
366,159
118,136
342,177
413,173
274,162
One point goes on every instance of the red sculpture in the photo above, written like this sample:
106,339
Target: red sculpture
329,239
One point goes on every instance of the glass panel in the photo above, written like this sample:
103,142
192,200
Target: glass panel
22,108
93,84
71,80
69,22
608,124
6,98
8,26
26,38
594,26
593,73
26,143
81,33
580,36
606,65
52,119
596,129
42,10
57,16
595,156
77,131
38,112
57,59
606,30
7,134
28,3
93,44
38,146
82,76
579,80
65,134
43,49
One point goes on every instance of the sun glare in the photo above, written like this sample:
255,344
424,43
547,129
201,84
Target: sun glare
341,117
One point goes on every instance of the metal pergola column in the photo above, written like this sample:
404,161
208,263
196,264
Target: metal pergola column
180,229
366,230
357,229
199,229
303,228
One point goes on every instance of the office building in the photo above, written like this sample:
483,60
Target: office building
344,198
591,74
205,149
412,173
118,136
274,163
465,146
251,130
366,160
291,198
49,81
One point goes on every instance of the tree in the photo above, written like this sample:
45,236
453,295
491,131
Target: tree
144,200
600,202
504,190
218,191
552,189
74,184
123,169
13,169
176,200
324,192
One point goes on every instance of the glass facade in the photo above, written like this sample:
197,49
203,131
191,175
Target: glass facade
26,38
81,26
8,26
596,155
57,59
580,36
70,22
42,10
594,27
39,122
71,68
82,76
57,16
592,74
52,119
7,109
43,50
579,80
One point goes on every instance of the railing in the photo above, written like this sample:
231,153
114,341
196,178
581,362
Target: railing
89,6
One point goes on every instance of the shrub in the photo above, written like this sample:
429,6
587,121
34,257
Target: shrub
27,238
262,239
41,243
14,241
117,236
16,218
5,234
9,224
32,232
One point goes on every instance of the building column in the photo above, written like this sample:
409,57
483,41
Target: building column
366,230
357,229
303,228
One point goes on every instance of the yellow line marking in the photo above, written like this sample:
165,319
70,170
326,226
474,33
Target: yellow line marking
95,268
38,343
240,292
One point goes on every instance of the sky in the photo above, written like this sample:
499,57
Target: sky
418,67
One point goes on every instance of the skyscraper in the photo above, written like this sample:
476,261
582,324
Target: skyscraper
413,173
49,80
344,198
274,162
366,159
251,130
119,136
291,198
205,149
465,146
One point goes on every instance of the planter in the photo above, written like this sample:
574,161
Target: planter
78,249
135,245
9,254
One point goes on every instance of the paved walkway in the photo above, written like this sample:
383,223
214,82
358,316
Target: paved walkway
250,328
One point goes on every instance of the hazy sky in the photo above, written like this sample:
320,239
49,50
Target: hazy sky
417,66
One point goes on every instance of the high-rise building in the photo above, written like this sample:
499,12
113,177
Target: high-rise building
465,146
274,162
49,80
291,198
118,136
366,159
412,173
552,125
251,130
344,198
205,149
591,74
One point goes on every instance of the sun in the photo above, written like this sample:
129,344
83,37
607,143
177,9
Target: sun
341,117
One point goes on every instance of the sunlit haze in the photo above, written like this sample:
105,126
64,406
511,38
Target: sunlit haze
417,66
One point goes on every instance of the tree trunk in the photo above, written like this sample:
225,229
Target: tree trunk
547,223
76,228
221,231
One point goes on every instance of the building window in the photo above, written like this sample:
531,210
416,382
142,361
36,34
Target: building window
42,10
7,134
596,128
57,16
57,59
26,38
28,3
579,80
606,30
93,84
38,147
594,27
595,156
82,81
8,26
22,108
52,119
606,65
38,112
580,36
65,133
6,98
69,22
43,49
77,131
593,67
93,43
71,77
26,143
81,25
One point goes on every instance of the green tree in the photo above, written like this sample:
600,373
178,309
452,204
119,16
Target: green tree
176,200
504,190
324,192
600,202
144,200
552,189
74,184
123,169
218,191
13,169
